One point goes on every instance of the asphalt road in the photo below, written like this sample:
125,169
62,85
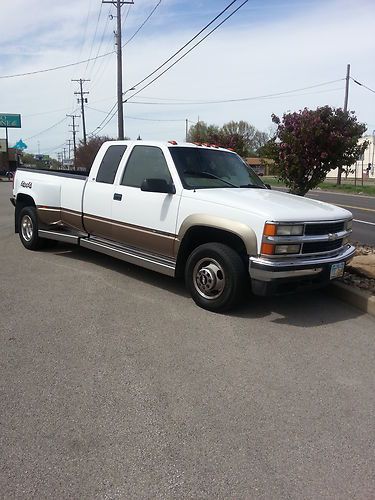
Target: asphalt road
115,385
362,208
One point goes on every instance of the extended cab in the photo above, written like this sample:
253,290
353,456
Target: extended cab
187,210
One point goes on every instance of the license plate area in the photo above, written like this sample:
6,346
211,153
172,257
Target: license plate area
337,270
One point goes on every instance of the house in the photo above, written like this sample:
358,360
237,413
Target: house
364,166
261,166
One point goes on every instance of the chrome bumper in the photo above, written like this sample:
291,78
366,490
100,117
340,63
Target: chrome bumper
263,269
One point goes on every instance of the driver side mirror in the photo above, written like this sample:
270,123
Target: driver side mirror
158,186
268,186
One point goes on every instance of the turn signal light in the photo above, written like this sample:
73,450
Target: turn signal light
270,230
267,249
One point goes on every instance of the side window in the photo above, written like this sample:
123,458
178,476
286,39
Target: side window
110,162
145,162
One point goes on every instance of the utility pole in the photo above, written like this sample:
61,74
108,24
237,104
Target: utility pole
74,132
186,129
339,172
82,100
69,142
120,110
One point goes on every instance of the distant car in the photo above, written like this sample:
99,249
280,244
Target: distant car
10,175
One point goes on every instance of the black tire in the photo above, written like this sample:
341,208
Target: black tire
215,276
28,229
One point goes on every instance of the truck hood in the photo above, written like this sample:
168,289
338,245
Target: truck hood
272,205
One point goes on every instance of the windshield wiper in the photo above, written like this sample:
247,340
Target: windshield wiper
209,175
252,186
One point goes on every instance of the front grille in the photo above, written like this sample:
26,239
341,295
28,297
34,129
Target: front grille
325,228
321,246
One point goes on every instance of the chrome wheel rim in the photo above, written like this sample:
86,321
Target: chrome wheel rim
209,278
27,228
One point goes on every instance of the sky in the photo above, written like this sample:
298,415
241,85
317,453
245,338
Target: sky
267,47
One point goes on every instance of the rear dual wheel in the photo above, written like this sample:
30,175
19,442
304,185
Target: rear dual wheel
28,229
215,276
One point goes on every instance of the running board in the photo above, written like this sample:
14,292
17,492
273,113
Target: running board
160,265
55,235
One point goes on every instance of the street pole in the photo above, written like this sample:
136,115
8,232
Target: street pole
120,110
7,145
339,173
186,129
82,100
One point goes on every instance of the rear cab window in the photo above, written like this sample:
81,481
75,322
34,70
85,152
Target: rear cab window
110,163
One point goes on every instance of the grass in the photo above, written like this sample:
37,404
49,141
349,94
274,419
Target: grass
368,190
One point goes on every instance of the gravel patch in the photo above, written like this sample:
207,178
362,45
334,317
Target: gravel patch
356,278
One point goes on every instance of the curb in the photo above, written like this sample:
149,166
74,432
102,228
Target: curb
361,299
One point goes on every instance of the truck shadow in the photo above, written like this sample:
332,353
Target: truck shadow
308,309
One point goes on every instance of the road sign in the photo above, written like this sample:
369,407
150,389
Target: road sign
10,121
20,145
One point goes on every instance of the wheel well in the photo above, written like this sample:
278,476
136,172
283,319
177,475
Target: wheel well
23,200
198,235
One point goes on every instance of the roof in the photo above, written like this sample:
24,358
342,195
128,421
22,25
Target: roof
259,161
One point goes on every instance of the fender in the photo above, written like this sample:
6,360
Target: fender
240,229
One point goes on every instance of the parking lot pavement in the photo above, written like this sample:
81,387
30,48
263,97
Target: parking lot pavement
115,385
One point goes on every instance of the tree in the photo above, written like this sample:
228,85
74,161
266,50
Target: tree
85,154
310,143
241,136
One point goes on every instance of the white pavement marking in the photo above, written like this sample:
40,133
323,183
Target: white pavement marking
364,222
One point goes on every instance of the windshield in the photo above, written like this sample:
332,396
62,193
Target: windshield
202,168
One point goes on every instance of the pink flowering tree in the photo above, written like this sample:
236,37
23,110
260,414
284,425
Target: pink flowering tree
308,144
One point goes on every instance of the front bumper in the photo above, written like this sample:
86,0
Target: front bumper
274,277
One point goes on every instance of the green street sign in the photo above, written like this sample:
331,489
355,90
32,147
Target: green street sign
10,121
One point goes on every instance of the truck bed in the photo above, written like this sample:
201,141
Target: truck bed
76,174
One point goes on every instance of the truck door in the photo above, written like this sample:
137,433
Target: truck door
145,220
97,197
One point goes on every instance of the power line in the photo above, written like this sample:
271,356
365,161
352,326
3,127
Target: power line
186,44
129,40
100,45
140,118
57,67
104,122
362,85
170,58
95,33
186,53
85,30
46,130
141,26
241,99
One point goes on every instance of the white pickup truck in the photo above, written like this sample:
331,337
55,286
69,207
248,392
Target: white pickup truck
187,210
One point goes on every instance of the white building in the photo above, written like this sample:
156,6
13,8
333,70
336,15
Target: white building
363,166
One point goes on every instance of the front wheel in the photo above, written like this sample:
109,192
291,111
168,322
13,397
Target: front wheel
215,276
28,229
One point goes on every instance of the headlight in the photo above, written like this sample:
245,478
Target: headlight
289,230
271,229
349,224
283,249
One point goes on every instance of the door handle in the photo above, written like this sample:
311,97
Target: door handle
117,196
